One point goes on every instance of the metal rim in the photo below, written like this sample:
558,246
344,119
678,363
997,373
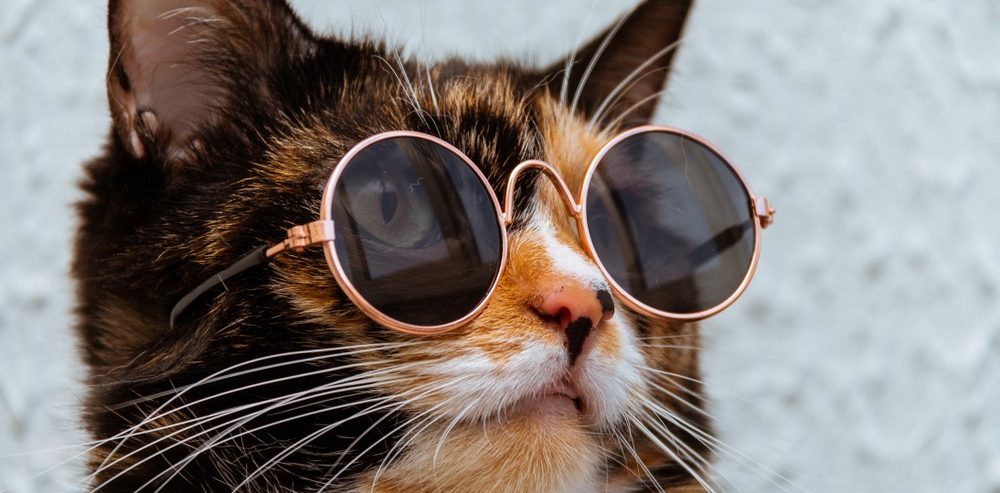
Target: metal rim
341,277
623,295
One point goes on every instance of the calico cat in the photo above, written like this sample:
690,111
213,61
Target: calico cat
228,116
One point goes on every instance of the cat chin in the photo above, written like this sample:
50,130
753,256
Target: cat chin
551,406
545,449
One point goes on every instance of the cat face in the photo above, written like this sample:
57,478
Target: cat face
228,119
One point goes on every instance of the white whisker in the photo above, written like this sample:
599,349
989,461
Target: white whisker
627,80
339,386
630,447
455,421
327,353
720,446
430,88
656,422
593,61
617,121
215,442
316,434
221,375
405,441
673,455
571,60
668,374
390,433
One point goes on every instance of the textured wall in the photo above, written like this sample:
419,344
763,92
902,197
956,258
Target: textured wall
866,355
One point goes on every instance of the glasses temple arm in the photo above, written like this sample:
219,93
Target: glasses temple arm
253,259
299,238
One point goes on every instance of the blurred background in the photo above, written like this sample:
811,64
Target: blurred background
866,355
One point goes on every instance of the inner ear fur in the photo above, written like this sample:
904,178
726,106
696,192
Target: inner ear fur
620,74
172,66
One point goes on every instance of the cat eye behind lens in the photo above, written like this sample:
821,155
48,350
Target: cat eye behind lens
418,232
416,237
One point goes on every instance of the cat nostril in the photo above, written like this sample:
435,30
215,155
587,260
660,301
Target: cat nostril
576,334
563,317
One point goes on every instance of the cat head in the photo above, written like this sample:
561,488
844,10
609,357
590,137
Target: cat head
228,117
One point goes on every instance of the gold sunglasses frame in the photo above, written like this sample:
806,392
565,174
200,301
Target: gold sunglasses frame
322,231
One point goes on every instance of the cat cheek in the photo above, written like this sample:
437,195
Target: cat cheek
613,374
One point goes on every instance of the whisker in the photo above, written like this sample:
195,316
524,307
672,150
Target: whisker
430,88
720,446
755,355
217,441
455,421
261,384
593,61
316,434
598,114
653,338
435,389
407,87
702,463
219,375
390,433
673,455
328,389
668,374
328,353
196,421
571,60
617,121
405,441
635,454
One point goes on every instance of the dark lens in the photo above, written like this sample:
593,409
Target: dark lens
417,233
671,222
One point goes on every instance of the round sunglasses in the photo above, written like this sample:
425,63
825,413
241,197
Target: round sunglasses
415,236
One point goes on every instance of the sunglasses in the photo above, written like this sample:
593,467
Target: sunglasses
416,237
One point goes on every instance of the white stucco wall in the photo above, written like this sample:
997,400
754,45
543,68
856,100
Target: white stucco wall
866,355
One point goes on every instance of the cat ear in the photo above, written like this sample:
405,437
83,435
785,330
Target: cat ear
174,66
621,72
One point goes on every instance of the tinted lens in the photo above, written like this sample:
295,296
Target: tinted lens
671,222
417,232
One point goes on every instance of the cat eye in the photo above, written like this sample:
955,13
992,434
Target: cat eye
415,236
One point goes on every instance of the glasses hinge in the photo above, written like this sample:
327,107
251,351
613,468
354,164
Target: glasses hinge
762,207
302,236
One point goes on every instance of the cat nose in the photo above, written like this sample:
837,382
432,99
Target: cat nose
577,311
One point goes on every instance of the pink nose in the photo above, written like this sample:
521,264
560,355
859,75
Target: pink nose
577,311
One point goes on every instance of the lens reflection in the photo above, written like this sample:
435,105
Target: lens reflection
417,233
671,222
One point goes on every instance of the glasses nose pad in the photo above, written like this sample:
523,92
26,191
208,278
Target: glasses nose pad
577,312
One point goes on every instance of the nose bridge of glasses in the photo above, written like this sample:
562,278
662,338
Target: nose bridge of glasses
553,176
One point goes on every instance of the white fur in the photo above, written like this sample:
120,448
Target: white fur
475,377
611,378
564,259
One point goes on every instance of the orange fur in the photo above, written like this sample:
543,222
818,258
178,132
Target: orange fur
525,455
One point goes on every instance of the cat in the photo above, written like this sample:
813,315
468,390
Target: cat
227,117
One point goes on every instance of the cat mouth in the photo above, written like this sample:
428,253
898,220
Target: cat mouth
559,400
